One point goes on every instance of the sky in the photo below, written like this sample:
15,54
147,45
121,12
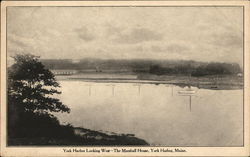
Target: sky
178,33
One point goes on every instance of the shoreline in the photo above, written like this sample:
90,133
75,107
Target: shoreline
225,83
82,137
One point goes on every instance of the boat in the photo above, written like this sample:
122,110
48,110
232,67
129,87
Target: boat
187,92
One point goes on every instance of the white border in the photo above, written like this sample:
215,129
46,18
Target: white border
58,151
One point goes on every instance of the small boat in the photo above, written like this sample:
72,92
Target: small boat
188,92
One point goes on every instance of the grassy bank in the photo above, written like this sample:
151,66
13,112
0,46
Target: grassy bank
81,136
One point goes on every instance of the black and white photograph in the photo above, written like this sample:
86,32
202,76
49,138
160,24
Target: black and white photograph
125,76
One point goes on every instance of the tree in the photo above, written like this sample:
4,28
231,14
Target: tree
30,94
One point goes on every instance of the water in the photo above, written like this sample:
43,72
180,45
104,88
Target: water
156,113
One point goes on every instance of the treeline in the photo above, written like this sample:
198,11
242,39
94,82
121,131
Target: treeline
158,67
90,63
201,70
217,69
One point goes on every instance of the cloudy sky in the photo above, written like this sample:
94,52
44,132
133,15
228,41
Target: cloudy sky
197,33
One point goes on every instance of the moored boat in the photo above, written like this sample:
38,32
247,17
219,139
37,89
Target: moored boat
188,92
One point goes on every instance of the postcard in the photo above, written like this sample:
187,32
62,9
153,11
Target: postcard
125,78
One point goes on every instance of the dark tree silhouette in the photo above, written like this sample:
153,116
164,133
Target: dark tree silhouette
33,85
30,100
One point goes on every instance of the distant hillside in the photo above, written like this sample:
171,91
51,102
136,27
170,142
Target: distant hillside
112,64
159,67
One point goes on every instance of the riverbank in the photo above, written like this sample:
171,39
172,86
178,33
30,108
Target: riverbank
223,82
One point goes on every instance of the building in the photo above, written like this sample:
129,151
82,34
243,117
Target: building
63,72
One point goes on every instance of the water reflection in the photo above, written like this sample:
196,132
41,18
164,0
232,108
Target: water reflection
156,113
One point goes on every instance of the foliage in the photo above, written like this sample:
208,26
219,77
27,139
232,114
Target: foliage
30,97
29,83
217,69
201,70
